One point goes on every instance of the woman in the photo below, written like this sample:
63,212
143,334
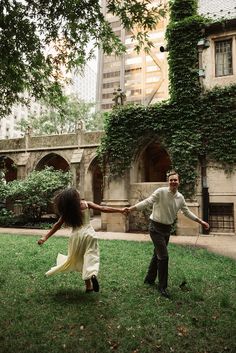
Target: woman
83,250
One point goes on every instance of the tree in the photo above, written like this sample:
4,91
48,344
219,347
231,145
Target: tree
66,117
39,37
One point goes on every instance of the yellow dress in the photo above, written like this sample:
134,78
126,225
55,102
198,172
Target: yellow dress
83,251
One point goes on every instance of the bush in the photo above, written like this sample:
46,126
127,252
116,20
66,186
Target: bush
6,217
35,193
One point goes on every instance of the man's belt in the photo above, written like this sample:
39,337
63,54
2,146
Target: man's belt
162,226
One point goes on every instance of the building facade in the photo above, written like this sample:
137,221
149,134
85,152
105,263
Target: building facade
217,67
142,77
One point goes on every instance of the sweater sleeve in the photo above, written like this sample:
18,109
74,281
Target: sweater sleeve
148,201
187,212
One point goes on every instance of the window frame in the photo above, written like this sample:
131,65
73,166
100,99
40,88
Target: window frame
224,74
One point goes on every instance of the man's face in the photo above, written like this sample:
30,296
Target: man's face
173,182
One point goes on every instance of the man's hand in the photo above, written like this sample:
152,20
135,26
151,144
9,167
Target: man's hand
205,225
41,241
126,210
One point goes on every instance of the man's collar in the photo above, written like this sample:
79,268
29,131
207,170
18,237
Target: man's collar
174,194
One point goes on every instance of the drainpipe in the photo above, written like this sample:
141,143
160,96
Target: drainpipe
205,194
203,44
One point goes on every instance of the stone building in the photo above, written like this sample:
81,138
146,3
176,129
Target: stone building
217,67
75,152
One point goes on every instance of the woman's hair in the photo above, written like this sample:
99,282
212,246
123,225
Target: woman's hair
67,205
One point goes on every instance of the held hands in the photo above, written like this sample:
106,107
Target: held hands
126,210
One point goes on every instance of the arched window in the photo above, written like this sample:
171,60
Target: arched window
153,164
53,160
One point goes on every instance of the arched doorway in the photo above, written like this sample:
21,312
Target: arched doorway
53,160
96,180
58,163
153,164
8,168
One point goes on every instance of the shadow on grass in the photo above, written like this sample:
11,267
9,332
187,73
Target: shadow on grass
72,296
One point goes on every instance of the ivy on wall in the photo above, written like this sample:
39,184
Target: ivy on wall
191,124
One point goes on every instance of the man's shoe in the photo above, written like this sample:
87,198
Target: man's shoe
164,293
95,283
147,281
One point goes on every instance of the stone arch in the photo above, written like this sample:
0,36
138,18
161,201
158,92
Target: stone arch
53,160
94,183
9,168
151,164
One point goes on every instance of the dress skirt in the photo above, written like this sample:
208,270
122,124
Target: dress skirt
83,254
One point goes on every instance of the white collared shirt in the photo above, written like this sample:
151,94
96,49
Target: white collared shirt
165,206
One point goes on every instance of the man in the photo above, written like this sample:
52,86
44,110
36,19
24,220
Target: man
166,202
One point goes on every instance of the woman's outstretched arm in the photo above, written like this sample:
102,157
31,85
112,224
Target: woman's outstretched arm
55,228
105,209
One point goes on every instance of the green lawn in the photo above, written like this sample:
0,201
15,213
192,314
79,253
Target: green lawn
44,315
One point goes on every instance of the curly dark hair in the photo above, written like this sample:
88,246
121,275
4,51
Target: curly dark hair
67,205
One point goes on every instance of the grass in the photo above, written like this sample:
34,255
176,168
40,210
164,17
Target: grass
54,315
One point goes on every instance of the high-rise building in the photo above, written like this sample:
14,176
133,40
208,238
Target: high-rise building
83,86
142,77
8,124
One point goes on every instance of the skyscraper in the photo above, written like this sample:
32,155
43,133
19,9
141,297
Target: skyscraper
142,77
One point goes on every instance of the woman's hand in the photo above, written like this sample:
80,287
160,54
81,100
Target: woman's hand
126,211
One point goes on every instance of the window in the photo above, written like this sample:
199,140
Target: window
111,84
107,95
111,74
115,24
221,217
107,106
135,69
223,58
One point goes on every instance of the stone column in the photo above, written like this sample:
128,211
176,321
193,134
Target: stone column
115,195
22,162
75,170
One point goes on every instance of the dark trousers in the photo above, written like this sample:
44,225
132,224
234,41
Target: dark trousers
160,235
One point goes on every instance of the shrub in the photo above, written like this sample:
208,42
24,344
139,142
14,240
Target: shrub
35,193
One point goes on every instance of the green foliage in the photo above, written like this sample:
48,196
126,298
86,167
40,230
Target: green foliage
192,125
7,217
34,193
180,9
182,37
218,116
39,38
3,189
69,113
